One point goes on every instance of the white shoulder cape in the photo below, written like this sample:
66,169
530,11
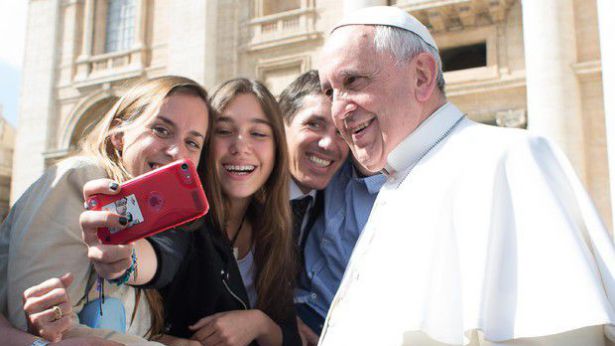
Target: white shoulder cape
491,236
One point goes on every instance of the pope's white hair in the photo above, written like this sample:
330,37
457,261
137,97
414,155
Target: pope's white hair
405,45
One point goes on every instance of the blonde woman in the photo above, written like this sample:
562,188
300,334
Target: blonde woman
156,122
231,283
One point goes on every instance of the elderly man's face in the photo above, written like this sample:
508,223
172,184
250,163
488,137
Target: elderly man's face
372,96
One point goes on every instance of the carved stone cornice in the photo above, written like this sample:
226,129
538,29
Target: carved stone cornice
455,15
507,117
280,29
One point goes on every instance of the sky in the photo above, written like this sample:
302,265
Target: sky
12,39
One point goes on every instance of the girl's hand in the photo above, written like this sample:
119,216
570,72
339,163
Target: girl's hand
110,261
48,308
308,337
86,341
231,328
175,341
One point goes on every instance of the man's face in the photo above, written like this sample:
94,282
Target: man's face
372,96
315,148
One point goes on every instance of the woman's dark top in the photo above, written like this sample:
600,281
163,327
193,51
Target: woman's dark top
198,276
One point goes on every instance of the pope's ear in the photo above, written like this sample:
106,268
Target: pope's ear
425,67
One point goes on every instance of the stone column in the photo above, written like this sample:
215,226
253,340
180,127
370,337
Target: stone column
37,102
192,40
606,28
553,95
351,5
140,24
88,37
140,28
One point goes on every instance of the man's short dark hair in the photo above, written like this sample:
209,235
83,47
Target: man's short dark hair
291,99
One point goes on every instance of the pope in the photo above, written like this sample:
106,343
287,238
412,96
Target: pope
480,235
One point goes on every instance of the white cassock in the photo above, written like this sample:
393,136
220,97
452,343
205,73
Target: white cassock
488,237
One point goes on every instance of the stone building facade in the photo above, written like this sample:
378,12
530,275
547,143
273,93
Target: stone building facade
7,143
534,64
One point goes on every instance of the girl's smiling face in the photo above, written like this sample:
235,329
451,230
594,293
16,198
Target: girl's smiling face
176,132
243,145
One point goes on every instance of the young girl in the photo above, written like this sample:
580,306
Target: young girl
231,281
234,286
156,122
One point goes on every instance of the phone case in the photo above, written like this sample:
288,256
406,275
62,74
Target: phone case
153,202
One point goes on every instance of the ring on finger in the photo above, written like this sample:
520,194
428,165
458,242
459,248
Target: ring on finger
57,312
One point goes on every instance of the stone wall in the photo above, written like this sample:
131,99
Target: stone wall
215,40
7,143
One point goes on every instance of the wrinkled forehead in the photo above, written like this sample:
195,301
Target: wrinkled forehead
349,37
348,47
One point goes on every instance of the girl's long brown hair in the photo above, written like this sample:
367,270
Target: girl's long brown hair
140,104
269,209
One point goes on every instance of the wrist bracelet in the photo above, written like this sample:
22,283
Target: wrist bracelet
126,276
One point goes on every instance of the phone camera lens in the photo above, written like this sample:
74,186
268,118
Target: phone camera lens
184,166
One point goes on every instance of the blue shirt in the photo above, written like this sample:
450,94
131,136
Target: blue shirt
348,202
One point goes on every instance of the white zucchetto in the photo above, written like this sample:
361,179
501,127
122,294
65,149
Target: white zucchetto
388,16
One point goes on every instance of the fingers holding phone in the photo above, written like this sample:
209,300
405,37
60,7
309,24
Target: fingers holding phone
110,261
100,186
151,203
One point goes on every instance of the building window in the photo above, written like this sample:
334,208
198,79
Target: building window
277,6
120,25
464,57
263,8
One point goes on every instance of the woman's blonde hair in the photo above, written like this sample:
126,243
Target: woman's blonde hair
269,209
136,108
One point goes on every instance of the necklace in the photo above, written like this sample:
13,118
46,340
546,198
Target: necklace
236,249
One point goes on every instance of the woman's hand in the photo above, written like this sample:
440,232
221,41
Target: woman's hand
175,341
236,328
308,337
110,261
48,308
87,341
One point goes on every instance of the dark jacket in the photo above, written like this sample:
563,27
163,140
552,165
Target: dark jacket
207,281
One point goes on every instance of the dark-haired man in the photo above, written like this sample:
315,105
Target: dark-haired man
316,151
342,209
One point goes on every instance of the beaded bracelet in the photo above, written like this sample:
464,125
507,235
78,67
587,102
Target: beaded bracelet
126,276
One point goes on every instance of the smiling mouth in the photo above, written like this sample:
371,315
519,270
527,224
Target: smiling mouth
320,162
358,129
239,169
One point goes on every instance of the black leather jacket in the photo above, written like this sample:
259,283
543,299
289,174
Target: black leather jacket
198,276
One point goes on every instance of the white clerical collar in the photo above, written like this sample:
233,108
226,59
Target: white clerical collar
422,138
295,192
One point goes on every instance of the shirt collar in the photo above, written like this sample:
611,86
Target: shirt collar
423,137
296,193
372,182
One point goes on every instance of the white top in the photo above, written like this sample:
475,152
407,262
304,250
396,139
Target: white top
247,270
489,237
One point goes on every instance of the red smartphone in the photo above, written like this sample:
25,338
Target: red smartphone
153,202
